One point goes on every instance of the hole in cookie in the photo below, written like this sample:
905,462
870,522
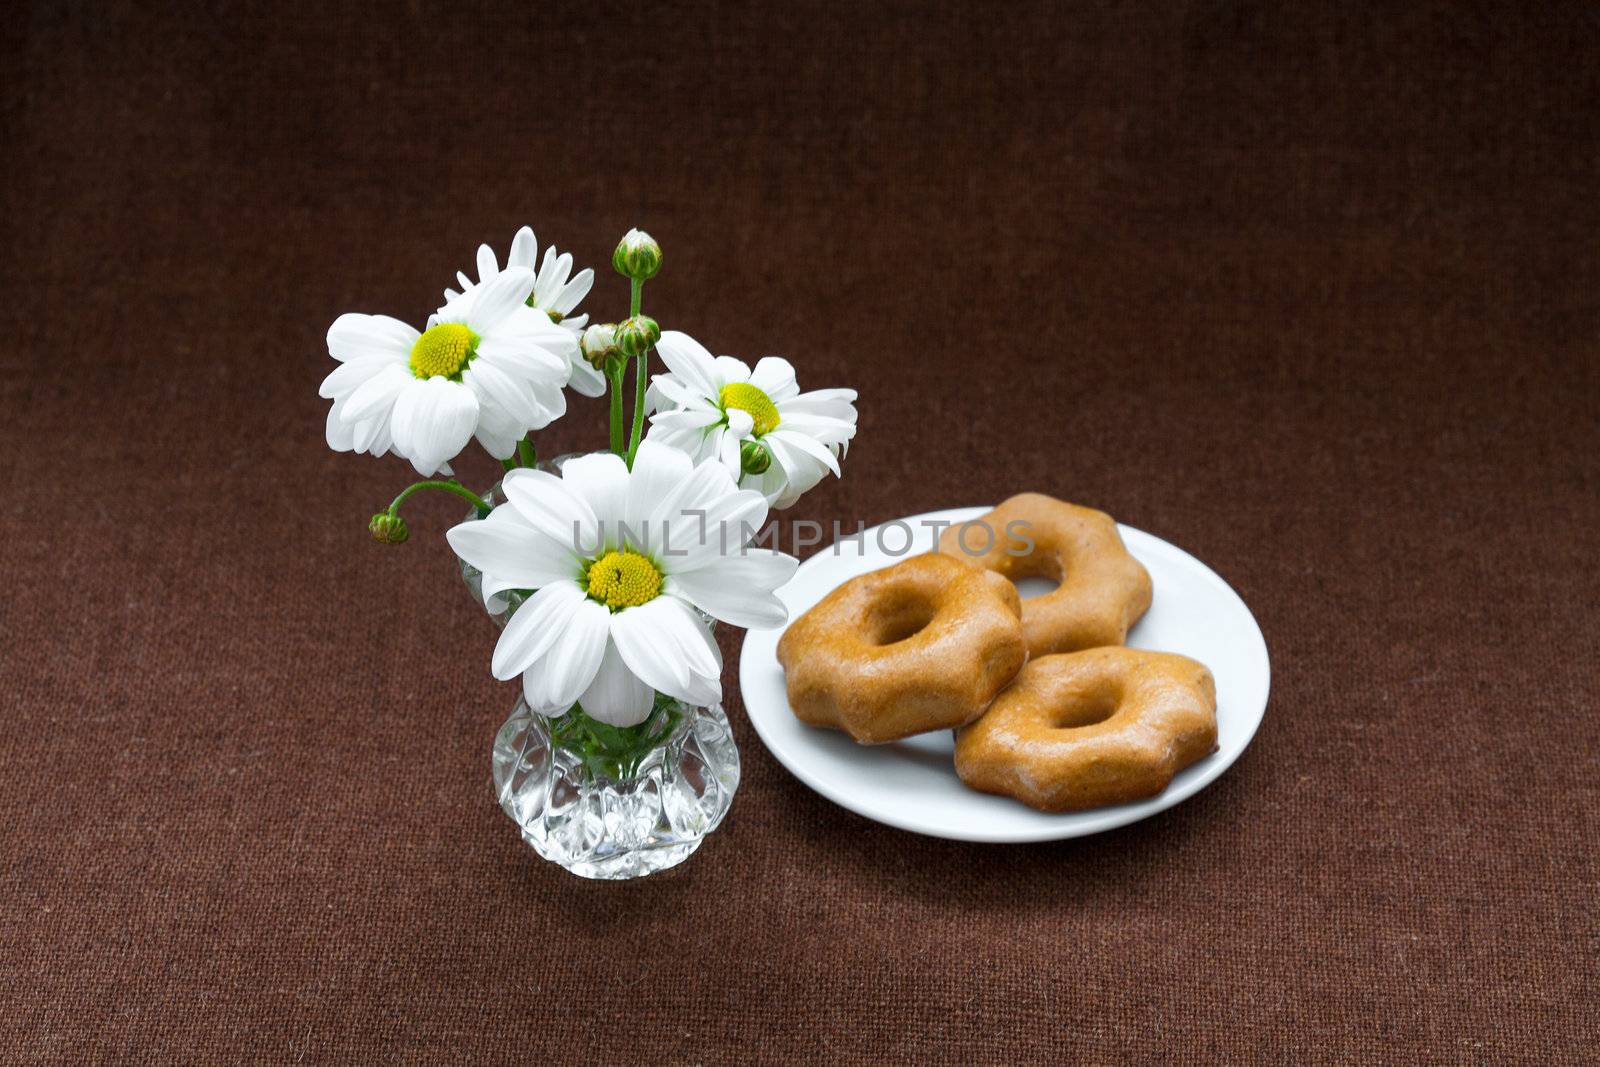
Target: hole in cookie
1087,709
1034,575
897,619
1036,585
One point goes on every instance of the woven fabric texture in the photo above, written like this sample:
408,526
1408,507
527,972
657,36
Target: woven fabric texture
1308,291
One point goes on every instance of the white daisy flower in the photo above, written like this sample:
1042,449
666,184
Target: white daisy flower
487,366
768,434
553,293
623,563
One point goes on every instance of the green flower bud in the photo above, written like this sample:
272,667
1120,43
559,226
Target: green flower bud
599,344
388,529
637,256
636,335
754,457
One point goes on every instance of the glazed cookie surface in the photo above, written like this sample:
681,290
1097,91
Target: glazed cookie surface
1087,729
1103,590
922,645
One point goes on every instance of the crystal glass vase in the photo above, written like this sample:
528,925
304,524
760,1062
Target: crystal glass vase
609,802
606,801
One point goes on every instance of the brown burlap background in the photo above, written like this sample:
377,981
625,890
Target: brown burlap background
1312,295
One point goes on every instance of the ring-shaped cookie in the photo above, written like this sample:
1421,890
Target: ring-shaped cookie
922,645
1087,729
1102,589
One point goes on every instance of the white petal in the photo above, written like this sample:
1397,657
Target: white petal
498,430
573,292
497,298
727,451
817,451
775,377
553,274
663,643
433,421
523,248
818,427
381,440
506,546
552,401
347,377
691,442
366,435
552,507
800,471
354,336
838,403
341,437
485,378
532,692
376,396
680,393
703,692
533,630
525,358
455,310
652,396
568,668
492,587
740,423
692,500
685,418
728,522
773,484
488,266
739,589
532,326
586,379
689,361
657,471
616,695
729,369
600,479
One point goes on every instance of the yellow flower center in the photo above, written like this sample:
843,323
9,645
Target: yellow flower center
623,580
443,350
747,398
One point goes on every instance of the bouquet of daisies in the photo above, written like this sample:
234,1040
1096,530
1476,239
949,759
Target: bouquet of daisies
615,563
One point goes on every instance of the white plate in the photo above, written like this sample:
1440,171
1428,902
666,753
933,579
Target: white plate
912,784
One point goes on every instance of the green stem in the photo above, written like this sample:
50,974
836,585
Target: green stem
640,378
640,366
509,464
525,453
450,487
616,408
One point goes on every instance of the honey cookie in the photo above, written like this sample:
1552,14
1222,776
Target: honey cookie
1103,590
1087,729
922,645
